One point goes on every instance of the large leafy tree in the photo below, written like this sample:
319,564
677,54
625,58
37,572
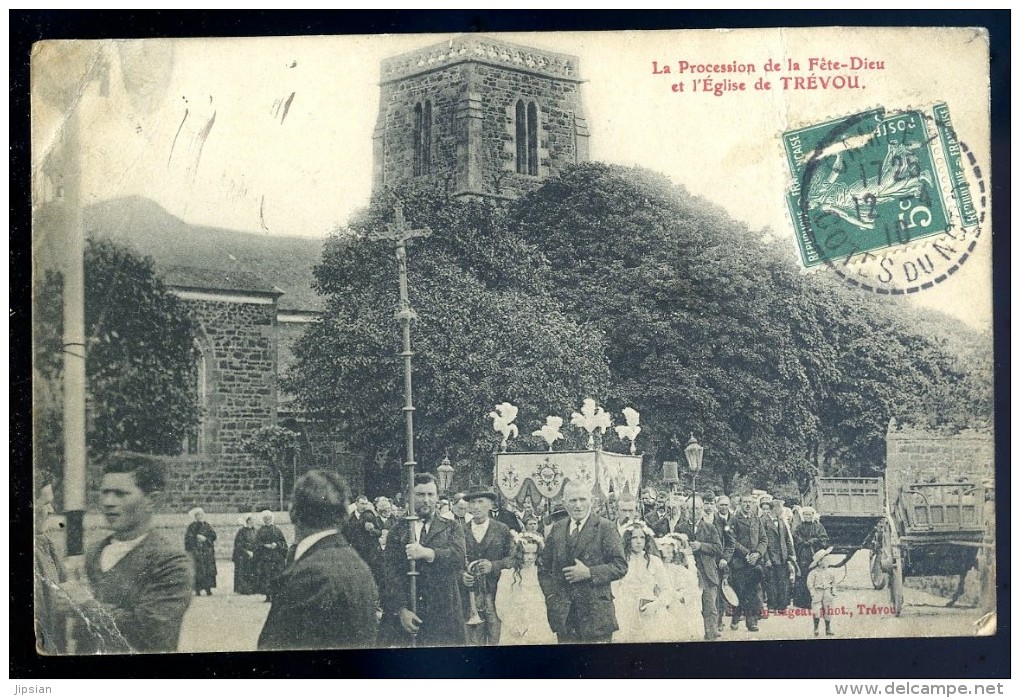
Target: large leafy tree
711,329
486,332
140,359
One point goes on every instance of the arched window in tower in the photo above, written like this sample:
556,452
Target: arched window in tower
533,139
526,122
422,138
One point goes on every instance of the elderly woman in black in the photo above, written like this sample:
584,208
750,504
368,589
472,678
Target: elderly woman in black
270,555
199,541
809,538
244,557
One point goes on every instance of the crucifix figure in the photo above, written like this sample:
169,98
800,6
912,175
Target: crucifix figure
399,233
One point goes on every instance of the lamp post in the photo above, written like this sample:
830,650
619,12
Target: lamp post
444,474
694,453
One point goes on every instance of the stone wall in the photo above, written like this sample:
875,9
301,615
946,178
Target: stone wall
238,397
919,455
473,85
219,484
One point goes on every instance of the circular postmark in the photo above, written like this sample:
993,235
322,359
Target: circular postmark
893,203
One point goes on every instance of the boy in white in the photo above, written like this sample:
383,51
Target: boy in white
821,582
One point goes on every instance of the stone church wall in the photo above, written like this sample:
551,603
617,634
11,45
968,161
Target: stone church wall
238,342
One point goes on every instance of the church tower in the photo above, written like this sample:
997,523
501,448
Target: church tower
484,117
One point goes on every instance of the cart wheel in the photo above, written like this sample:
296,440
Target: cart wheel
878,576
896,585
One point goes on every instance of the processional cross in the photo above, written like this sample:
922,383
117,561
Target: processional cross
400,233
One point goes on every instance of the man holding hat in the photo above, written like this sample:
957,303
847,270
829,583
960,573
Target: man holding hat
489,547
724,522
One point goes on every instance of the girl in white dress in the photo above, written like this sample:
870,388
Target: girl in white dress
645,593
520,602
685,622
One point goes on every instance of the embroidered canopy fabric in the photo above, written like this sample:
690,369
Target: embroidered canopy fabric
543,474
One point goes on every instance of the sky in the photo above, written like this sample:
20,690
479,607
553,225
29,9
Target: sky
208,127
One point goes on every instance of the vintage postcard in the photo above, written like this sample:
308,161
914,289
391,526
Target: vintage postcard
512,339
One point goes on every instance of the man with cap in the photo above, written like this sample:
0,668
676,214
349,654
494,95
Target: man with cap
489,547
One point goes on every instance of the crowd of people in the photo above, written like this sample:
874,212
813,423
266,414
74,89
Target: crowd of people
662,567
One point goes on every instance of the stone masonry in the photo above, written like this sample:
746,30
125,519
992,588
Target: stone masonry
473,85
238,343
918,455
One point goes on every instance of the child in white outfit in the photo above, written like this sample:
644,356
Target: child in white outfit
821,582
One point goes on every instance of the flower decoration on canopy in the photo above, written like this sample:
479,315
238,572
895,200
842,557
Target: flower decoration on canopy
502,417
550,431
632,428
592,418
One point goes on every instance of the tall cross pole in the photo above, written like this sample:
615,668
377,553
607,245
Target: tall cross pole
399,233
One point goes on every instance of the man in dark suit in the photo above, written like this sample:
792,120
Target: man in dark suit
139,581
326,597
363,531
384,513
674,519
583,554
489,547
627,512
437,546
708,547
747,564
778,558
507,515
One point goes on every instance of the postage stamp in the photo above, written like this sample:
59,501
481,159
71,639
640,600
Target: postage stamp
873,183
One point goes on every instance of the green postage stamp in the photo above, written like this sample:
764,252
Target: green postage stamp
877,181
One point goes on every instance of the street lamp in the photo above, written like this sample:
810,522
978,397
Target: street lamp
444,473
694,453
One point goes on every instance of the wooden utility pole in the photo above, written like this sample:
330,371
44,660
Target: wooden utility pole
399,233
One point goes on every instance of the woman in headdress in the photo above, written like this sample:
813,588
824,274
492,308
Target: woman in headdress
244,556
808,539
645,592
270,555
520,602
684,620
199,541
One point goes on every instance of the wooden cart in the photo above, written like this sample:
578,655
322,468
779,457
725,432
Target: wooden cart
852,509
936,528
932,528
